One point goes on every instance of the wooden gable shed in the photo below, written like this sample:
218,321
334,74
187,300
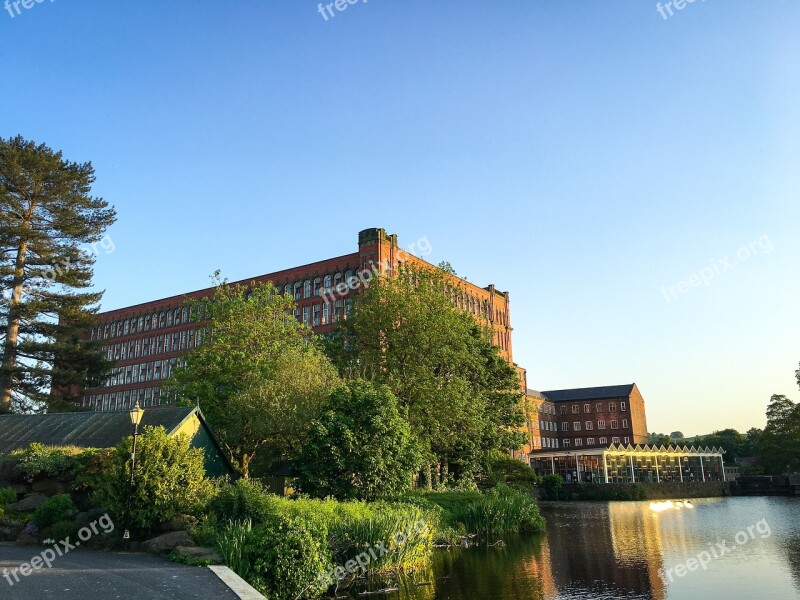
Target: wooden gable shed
107,429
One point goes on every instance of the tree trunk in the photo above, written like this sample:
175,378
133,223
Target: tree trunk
12,330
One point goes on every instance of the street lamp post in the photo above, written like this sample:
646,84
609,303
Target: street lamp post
136,417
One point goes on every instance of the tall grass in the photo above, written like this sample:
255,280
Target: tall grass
231,538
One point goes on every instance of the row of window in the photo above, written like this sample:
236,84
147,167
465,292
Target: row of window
147,397
152,345
158,320
587,408
149,371
547,425
601,424
603,441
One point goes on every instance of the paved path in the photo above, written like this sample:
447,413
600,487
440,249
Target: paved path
83,575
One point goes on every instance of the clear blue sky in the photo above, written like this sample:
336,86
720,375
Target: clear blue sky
579,154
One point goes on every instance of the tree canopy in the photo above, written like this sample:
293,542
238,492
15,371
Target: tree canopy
360,447
463,400
47,219
259,376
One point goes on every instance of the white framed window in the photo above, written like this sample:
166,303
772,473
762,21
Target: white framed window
589,425
555,443
564,426
601,424
624,423
590,441
298,290
566,443
599,407
614,424
576,426
603,441
612,407
316,313
306,315
575,409
579,441
317,286
307,288
326,313
587,408
615,441
627,440
623,407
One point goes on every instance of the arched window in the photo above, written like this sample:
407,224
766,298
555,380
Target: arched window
317,285
337,283
349,279
287,289
328,285
298,290
127,326
177,316
307,288
162,319
169,317
184,315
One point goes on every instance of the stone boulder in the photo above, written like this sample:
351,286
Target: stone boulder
29,503
166,543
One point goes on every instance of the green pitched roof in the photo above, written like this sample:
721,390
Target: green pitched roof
83,429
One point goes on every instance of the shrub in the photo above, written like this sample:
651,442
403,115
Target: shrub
245,500
58,508
169,480
63,530
551,486
512,472
52,461
287,558
7,495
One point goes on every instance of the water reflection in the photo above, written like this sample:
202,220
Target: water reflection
617,550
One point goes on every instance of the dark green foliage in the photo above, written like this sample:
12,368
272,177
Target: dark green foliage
63,530
55,509
287,557
463,400
7,496
591,491
360,448
48,220
511,472
258,376
779,444
245,500
169,480
551,486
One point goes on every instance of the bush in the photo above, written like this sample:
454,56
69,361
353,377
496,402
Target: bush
245,500
231,542
591,491
169,481
63,530
550,486
512,472
287,558
7,496
58,508
51,461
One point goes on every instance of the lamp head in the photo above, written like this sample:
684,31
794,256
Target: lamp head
136,414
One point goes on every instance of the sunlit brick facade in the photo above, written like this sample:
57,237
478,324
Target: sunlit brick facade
147,340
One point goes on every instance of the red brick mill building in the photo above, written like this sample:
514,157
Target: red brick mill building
147,340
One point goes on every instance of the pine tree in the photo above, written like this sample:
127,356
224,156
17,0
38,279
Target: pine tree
48,222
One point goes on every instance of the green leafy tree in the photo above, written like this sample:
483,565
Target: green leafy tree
259,376
169,480
463,400
779,444
677,435
46,217
361,447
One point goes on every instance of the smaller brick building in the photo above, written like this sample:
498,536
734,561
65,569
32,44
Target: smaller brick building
587,417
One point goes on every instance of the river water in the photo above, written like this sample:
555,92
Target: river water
750,548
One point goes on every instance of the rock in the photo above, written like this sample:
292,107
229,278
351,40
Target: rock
84,519
29,503
199,553
22,488
9,532
9,471
49,487
166,543
29,535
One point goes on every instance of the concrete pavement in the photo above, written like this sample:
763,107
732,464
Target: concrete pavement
84,575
